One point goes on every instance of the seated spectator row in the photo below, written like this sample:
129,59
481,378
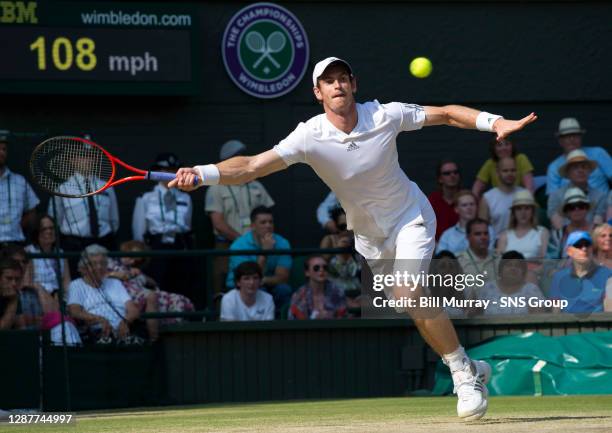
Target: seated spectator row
504,218
582,282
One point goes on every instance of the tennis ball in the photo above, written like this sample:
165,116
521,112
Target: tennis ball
420,67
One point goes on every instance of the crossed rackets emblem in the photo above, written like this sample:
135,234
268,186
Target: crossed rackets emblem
275,43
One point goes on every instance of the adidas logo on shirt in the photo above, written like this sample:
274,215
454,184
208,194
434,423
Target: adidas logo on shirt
352,146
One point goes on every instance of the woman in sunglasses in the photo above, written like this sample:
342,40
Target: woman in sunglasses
319,298
575,208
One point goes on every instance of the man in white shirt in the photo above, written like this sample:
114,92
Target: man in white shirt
352,148
162,219
496,203
246,301
102,303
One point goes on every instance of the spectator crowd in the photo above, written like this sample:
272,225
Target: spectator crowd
549,241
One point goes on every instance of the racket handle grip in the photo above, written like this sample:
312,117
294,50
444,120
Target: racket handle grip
162,176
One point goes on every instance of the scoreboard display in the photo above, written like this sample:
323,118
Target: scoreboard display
97,48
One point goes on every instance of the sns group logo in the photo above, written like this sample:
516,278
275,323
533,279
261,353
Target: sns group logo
265,50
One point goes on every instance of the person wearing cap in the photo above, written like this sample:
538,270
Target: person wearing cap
570,135
162,219
229,208
454,239
577,169
575,208
18,200
352,148
496,202
524,235
585,285
88,220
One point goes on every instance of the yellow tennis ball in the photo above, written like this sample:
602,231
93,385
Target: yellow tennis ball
421,67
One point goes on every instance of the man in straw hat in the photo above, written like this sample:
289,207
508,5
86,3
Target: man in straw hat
577,169
352,148
575,208
570,138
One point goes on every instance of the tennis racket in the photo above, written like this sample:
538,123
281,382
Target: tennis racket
76,167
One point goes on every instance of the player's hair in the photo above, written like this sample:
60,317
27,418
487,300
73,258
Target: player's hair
310,258
475,221
136,246
597,231
260,210
492,144
346,68
463,193
514,256
247,268
8,263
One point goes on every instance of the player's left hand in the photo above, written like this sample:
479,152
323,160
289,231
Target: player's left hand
505,127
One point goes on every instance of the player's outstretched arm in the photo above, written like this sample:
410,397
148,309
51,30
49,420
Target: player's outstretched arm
468,118
233,171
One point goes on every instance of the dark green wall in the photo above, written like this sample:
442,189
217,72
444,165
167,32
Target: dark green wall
249,361
510,58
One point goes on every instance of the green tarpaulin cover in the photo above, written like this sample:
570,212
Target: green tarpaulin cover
533,364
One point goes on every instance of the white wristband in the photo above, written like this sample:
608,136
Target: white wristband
209,174
485,121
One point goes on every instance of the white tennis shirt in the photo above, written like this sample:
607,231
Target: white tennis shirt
362,167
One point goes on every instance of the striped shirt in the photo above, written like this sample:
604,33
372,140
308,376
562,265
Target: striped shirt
17,197
108,301
73,213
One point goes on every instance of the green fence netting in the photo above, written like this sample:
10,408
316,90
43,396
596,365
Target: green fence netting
534,364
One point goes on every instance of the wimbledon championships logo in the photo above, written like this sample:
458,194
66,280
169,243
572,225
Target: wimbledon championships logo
265,50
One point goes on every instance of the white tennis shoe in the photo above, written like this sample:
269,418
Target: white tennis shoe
471,389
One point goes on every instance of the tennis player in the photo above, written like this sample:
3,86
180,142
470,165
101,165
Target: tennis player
352,148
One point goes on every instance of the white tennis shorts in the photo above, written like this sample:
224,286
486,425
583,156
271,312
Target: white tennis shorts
409,247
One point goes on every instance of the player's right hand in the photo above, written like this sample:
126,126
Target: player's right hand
185,178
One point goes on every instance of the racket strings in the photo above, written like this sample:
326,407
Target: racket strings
70,166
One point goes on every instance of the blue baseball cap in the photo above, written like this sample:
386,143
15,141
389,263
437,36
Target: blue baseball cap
575,237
